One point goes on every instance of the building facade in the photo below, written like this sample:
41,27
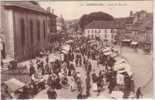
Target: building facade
104,30
61,25
25,29
138,28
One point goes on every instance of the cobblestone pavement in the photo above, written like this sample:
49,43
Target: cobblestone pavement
141,66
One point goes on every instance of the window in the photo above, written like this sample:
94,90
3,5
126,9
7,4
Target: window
22,23
105,30
105,35
112,30
99,31
31,31
38,30
109,30
95,31
87,31
44,29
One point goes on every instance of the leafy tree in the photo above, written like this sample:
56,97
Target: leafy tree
88,18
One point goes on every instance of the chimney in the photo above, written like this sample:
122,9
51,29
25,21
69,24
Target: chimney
131,13
48,9
52,11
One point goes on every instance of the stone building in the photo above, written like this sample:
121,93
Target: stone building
61,25
104,30
24,29
138,28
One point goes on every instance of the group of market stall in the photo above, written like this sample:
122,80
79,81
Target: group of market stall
121,67
128,42
13,86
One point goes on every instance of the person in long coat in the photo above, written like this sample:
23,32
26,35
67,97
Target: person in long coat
32,69
51,93
100,83
47,68
88,85
138,93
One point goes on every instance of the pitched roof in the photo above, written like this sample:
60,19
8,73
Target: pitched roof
146,23
103,25
125,20
26,5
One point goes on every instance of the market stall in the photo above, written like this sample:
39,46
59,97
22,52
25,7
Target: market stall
14,86
126,42
134,44
122,66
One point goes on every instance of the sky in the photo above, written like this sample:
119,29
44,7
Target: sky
75,9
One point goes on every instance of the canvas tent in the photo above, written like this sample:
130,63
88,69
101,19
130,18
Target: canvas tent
54,57
65,49
117,95
134,43
122,66
14,84
69,41
106,50
108,53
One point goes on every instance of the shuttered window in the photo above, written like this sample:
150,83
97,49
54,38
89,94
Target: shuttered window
22,23
38,30
31,31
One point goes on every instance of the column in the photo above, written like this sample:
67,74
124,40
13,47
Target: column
1,48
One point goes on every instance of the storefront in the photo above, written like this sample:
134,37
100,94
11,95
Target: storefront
126,42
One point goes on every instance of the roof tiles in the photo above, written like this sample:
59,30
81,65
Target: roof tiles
103,25
25,5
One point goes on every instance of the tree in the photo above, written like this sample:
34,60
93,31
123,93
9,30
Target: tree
86,19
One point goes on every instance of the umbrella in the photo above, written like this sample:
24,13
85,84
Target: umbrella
126,40
107,53
64,51
66,47
91,41
54,57
14,84
106,50
119,61
117,94
69,41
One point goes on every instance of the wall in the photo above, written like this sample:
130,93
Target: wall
108,34
30,48
7,31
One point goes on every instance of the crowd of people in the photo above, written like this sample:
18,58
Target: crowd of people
63,74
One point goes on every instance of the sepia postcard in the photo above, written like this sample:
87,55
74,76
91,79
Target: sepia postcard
76,49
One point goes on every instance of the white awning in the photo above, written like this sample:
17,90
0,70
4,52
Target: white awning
14,84
114,55
65,47
91,41
117,94
9,59
64,51
69,41
120,61
134,43
123,67
126,40
106,50
54,57
107,53
118,67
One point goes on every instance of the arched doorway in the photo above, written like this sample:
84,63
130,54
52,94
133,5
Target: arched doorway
2,48
3,51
